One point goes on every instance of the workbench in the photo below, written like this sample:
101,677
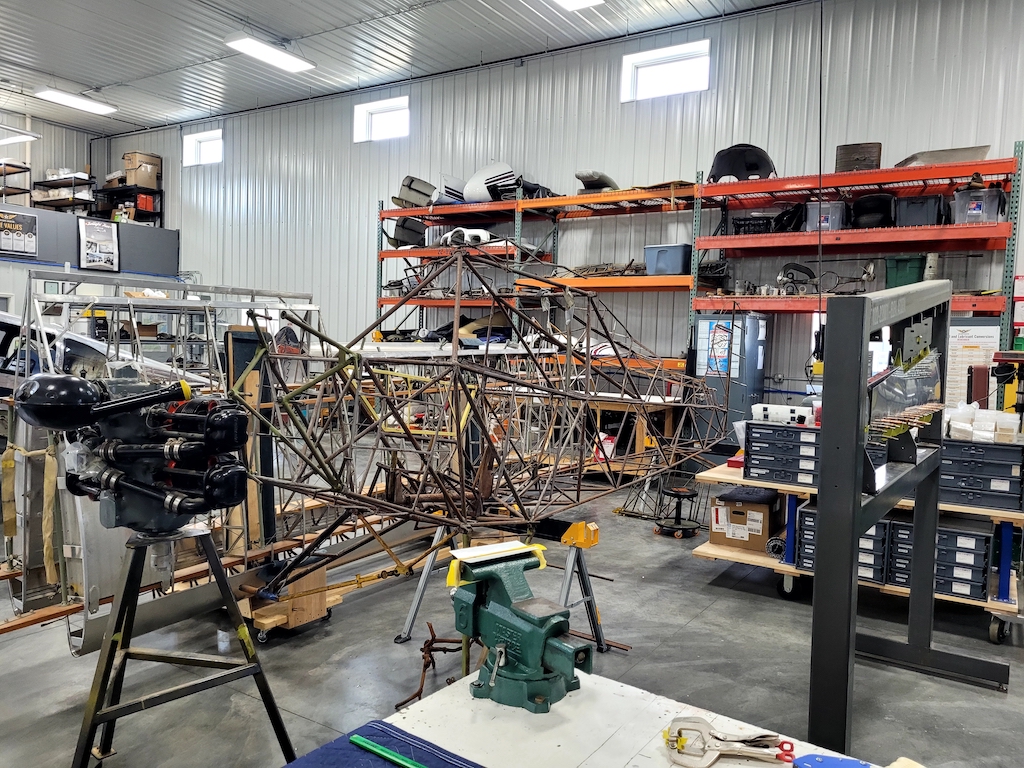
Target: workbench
1002,604
605,724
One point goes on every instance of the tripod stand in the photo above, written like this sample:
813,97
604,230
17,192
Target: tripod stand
104,706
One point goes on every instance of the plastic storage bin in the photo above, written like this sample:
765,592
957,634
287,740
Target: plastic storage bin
973,206
924,211
825,216
758,225
669,259
903,270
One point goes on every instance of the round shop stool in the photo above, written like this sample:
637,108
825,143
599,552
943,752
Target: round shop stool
675,525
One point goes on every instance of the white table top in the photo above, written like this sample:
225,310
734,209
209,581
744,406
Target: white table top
605,724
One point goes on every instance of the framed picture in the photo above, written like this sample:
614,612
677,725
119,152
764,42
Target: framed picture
97,244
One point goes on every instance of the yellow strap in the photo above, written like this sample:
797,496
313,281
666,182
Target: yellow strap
49,491
7,483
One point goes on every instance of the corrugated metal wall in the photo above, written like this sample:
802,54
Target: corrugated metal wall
59,147
294,202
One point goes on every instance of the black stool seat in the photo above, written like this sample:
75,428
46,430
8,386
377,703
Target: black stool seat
680,492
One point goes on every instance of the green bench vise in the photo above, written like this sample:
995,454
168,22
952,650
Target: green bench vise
531,659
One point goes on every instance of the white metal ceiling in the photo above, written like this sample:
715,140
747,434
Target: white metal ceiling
164,62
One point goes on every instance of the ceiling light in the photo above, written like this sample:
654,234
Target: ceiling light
575,5
19,135
75,102
268,53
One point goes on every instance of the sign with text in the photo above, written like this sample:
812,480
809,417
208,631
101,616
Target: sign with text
18,234
98,245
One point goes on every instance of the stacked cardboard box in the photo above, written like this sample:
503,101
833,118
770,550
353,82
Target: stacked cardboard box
141,169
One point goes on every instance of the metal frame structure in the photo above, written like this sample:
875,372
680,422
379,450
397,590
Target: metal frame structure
504,434
846,511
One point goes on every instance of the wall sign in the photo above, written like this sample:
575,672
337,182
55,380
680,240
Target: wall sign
18,234
97,242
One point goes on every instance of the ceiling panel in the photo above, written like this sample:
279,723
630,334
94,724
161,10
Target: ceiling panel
162,62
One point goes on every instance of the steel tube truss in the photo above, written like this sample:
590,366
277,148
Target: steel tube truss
477,433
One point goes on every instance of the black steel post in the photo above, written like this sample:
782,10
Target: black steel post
834,611
922,563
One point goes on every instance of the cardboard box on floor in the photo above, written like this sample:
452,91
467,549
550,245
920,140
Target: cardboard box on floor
746,525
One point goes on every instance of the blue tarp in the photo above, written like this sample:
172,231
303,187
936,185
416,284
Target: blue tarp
340,753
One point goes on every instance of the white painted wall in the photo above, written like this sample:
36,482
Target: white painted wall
293,204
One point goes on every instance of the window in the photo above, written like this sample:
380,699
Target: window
5,305
202,148
379,120
679,69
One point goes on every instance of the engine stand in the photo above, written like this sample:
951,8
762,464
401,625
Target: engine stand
104,706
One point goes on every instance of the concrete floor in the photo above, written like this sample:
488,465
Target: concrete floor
711,634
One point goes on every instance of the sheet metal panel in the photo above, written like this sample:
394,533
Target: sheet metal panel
294,202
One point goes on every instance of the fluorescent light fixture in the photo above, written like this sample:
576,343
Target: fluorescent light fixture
19,136
575,5
267,53
75,102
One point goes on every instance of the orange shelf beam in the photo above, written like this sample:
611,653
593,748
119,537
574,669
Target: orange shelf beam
948,237
447,211
806,304
624,284
443,253
911,179
618,202
386,301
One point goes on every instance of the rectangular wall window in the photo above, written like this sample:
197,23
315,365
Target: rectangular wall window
379,120
202,148
666,71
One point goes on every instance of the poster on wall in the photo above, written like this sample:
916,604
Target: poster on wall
97,242
18,234
972,341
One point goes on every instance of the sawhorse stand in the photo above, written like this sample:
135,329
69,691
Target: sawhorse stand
104,706
577,536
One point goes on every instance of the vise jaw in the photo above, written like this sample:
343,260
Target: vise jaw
531,660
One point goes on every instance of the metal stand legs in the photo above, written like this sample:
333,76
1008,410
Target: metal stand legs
576,564
421,586
104,706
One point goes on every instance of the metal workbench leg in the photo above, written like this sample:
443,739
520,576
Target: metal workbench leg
791,504
922,563
421,587
1005,534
